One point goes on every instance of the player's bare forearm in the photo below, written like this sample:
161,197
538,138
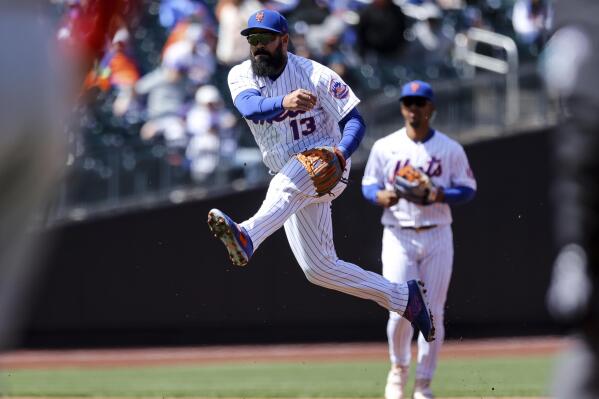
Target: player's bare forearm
436,195
299,100
386,198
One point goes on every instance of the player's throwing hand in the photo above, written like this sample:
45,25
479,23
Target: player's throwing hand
299,100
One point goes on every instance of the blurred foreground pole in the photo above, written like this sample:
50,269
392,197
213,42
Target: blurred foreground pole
40,81
571,71
32,149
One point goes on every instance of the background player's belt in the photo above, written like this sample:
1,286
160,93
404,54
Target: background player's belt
419,228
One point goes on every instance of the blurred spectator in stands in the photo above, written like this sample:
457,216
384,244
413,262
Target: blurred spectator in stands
334,58
431,41
532,20
193,56
73,12
345,5
472,17
320,36
282,6
86,27
232,16
210,126
165,88
300,45
174,11
418,9
451,4
309,12
381,29
116,71
193,28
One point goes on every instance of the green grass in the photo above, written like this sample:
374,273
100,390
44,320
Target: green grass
514,376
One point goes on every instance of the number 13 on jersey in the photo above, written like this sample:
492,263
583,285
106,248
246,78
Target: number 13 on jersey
306,126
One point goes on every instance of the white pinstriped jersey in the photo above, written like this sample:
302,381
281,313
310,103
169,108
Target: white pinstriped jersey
292,132
442,158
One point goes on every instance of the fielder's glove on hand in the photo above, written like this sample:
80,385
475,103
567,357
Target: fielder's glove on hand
415,186
324,167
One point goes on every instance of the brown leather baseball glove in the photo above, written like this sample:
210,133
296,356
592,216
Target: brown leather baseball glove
415,186
324,166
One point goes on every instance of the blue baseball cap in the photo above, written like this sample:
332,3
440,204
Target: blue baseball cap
417,88
266,20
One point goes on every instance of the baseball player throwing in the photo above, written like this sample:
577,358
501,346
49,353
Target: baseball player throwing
415,173
303,117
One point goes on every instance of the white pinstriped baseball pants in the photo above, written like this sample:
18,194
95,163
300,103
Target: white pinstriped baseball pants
426,255
291,202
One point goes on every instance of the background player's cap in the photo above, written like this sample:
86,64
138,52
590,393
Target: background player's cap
266,20
417,88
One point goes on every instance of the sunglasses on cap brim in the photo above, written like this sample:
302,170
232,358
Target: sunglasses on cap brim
261,38
417,101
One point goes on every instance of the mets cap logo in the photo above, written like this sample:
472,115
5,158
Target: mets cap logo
260,16
338,89
414,87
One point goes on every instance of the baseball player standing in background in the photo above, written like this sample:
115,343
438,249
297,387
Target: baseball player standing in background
304,120
415,173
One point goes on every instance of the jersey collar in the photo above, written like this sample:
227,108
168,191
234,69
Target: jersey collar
431,134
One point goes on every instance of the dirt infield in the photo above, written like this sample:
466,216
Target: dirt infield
269,353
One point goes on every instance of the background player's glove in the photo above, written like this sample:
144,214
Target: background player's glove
415,186
324,167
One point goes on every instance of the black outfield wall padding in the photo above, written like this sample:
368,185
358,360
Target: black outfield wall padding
158,277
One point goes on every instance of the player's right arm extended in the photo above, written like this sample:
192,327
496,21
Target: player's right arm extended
253,106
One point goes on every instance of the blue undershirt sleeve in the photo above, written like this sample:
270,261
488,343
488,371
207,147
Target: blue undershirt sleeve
352,127
453,195
253,106
369,192
458,195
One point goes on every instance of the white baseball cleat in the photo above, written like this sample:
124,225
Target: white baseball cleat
423,390
396,383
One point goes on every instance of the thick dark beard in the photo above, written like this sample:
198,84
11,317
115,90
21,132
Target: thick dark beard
270,66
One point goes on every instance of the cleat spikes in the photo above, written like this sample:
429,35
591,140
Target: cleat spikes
234,238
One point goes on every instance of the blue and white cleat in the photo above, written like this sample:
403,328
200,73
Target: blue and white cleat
236,240
417,312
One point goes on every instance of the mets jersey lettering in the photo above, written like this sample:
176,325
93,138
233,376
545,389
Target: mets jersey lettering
432,168
291,132
441,158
